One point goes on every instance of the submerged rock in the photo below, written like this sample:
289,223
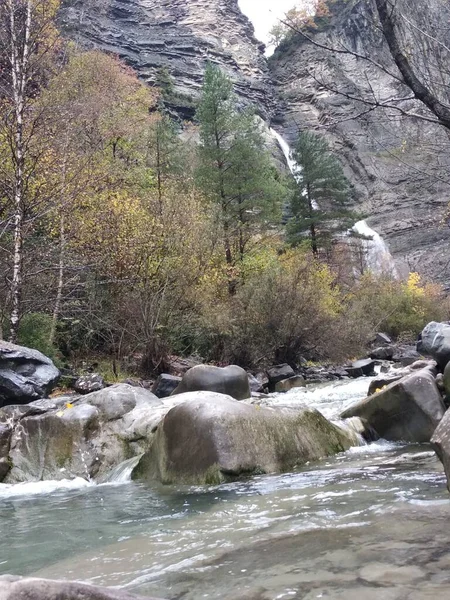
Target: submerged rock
25,374
231,380
211,438
408,410
434,341
30,588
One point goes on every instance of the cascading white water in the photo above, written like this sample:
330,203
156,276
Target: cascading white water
378,257
294,167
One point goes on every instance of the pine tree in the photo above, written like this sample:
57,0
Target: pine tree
320,203
235,169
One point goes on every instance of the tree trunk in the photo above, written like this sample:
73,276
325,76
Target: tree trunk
61,273
20,50
387,17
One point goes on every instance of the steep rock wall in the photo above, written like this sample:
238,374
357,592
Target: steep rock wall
398,166
181,35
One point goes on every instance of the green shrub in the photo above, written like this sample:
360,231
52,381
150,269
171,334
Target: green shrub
34,332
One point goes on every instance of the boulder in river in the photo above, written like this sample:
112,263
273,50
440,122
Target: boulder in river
407,410
361,368
211,438
30,588
231,380
79,437
441,443
434,341
25,374
278,373
289,384
165,385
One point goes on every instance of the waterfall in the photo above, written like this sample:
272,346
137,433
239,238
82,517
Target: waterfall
294,167
122,472
378,257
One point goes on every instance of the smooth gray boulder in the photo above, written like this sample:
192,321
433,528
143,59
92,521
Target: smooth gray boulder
79,437
231,380
30,588
434,341
408,410
165,385
441,444
286,385
25,374
211,438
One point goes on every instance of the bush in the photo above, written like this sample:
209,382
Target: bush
34,332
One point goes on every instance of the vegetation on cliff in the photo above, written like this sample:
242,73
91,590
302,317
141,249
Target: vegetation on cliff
120,237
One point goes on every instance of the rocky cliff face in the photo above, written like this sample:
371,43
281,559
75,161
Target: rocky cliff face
179,35
398,165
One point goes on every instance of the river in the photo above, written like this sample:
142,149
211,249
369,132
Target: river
369,523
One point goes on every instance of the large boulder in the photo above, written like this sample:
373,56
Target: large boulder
434,341
231,380
441,443
407,410
78,437
211,438
18,588
25,374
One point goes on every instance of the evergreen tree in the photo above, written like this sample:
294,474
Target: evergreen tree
235,169
320,202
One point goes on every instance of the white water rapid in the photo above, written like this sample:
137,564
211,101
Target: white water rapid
378,257
361,523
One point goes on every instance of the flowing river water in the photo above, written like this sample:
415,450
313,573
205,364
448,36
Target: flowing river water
370,523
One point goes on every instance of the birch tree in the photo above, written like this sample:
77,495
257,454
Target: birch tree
27,41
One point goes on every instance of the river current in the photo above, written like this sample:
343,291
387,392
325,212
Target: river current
369,523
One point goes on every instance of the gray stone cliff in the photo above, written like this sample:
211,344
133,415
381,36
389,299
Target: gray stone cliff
397,165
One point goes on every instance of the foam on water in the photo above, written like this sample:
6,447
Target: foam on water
35,488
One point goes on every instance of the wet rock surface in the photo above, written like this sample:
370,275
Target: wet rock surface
211,438
408,410
77,436
18,588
